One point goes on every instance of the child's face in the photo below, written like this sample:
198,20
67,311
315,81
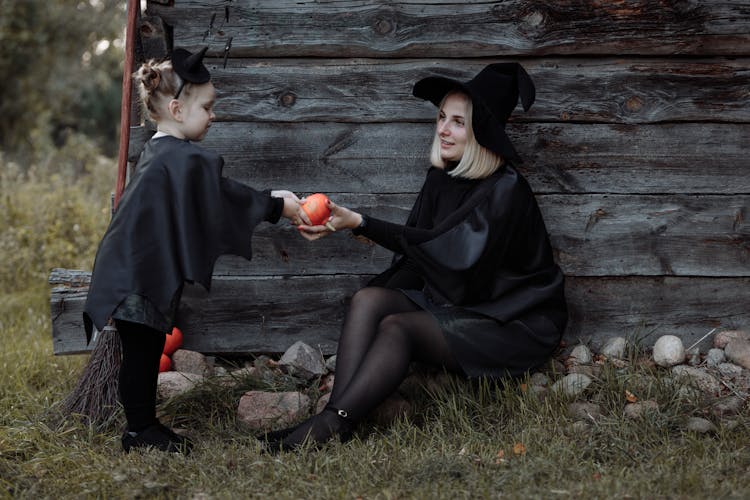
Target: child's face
197,111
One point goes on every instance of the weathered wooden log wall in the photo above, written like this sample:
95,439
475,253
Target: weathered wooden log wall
636,147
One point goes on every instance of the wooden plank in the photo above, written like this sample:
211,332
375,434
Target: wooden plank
644,309
597,235
263,315
411,28
592,235
708,158
582,90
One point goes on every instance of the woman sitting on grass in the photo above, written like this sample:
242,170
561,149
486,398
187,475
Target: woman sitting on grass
474,290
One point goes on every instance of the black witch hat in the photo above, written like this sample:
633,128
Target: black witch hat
190,67
494,93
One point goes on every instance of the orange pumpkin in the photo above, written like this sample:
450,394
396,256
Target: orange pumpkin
165,363
173,342
316,207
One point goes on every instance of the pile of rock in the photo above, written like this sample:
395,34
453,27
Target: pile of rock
722,373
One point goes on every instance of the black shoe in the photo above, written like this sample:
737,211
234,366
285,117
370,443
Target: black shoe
157,436
277,435
343,428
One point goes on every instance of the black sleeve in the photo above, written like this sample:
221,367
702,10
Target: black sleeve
275,208
388,235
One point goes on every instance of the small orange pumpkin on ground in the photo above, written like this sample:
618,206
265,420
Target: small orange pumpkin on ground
165,363
173,342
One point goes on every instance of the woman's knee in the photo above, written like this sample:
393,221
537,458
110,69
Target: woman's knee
394,327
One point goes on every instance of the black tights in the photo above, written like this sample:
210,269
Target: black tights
141,350
382,334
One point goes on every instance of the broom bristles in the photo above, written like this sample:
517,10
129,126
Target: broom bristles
96,395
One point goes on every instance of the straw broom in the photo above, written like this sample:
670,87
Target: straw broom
96,395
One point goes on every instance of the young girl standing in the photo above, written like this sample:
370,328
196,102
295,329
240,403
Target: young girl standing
176,217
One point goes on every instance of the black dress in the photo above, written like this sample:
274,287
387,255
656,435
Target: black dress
476,254
176,217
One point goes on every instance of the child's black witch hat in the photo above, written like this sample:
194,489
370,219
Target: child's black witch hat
190,67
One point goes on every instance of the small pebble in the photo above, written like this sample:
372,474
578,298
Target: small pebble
668,351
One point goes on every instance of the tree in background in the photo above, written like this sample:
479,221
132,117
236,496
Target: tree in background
61,63
62,71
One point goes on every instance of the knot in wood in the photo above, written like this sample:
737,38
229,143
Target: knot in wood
634,104
534,19
288,99
383,26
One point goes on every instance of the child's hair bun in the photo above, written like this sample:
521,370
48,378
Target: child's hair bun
149,76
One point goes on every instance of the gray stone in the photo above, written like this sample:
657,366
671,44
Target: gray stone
730,405
174,383
539,379
729,370
302,360
700,425
572,384
703,380
331,363
715,357
722,338
262,410
640,408
191,362
668,351
592,371
614,348
581,355
584,411
738,351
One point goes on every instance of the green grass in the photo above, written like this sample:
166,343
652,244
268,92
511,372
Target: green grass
462,441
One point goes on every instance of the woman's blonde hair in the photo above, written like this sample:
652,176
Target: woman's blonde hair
157,83
477,162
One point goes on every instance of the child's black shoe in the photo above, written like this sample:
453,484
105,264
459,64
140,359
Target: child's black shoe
158,436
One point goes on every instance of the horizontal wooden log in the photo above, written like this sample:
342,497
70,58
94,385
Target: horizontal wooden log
580,90
270,314
458,29
597,235
592,235
559,158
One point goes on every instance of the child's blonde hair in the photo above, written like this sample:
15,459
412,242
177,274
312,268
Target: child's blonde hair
477,162
157,82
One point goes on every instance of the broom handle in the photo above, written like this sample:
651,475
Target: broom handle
127,85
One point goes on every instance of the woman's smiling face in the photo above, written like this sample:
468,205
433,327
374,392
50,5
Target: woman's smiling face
451,127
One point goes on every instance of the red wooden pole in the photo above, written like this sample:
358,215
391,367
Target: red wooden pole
127,85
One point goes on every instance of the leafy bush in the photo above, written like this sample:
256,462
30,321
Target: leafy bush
52,214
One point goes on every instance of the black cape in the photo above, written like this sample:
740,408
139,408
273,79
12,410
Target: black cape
176,217
491,255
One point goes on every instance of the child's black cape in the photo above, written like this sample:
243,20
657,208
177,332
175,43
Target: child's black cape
176,217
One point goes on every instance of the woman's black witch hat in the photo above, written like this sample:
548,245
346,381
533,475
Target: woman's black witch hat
494,93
